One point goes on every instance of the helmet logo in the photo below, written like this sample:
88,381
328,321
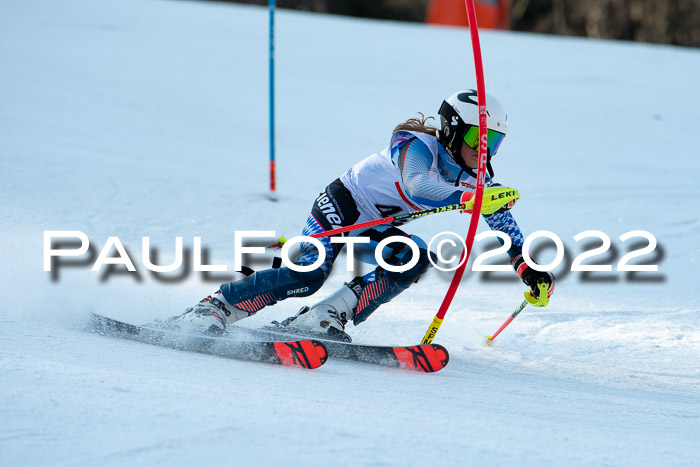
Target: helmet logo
467,97
454,121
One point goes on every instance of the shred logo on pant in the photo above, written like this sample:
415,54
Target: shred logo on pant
297,291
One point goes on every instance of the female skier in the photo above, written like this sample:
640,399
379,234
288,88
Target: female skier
422,168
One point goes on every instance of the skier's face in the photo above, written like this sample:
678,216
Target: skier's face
469,156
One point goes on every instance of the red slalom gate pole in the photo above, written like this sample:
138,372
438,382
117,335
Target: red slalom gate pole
480,176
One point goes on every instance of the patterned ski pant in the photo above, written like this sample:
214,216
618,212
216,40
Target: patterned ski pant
334,207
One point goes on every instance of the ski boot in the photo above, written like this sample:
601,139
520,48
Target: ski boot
326,319
209,316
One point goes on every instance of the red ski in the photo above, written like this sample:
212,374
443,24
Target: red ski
427,358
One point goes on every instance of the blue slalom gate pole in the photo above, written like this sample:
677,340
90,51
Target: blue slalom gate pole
271,7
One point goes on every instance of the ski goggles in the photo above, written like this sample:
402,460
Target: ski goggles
471,139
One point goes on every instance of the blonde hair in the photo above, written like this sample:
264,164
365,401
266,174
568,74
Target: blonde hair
417,124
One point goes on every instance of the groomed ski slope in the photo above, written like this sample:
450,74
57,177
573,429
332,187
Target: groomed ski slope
149,118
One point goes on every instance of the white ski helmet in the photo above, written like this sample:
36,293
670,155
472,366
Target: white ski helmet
459,123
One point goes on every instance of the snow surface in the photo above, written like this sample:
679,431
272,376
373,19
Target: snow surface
132,118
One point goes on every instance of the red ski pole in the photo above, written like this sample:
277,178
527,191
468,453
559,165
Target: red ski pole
498,197
489,339
384,220
529,298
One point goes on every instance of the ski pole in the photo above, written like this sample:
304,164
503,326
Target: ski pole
489,339
383,220
498,197
531,299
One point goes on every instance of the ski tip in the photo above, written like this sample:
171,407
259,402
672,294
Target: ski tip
308,354
442,354
427,358
321,351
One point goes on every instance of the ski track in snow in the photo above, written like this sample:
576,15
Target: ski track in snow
132,118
